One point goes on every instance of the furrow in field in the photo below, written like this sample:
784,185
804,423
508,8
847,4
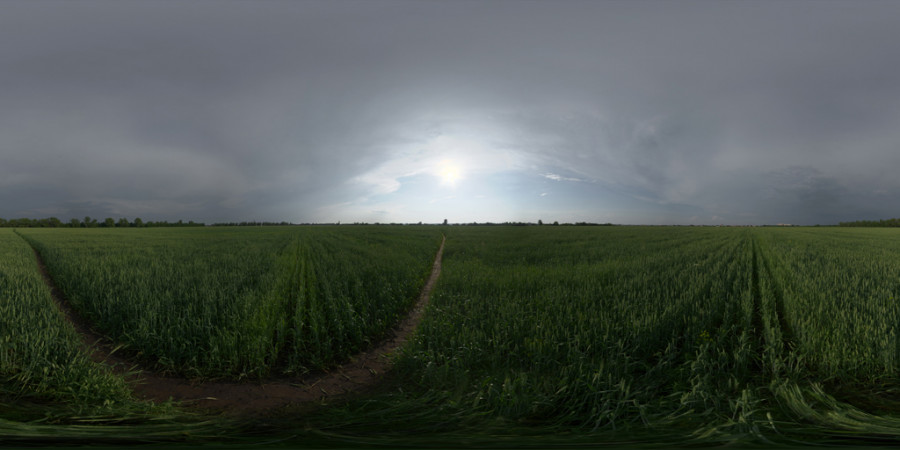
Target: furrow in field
99,348
769,320
363,371
777,300
756,295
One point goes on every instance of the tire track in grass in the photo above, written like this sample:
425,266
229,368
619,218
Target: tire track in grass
777,292
756,319
360,373
772,332
98,347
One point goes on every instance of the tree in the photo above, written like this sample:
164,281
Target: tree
445,221
74,223
138,222
22,222
540,222
123,222
109,222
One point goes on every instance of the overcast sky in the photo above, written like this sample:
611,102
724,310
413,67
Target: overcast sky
668,112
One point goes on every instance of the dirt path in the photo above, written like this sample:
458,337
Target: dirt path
362,372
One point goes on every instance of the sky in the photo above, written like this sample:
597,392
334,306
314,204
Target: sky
630,112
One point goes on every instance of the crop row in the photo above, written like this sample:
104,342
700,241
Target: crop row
720,330
589,327
841,294
237,302
41,358
726,332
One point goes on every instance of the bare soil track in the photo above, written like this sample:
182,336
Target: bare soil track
362,372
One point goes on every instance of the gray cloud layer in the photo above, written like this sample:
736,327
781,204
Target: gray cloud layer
703,112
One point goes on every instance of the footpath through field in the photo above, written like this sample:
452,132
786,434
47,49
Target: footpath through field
362,372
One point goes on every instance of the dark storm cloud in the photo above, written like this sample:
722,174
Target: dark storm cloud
134,105
707,112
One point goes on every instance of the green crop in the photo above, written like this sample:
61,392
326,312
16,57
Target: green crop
50,390
595,329
40,353
703,336
733,334
239,302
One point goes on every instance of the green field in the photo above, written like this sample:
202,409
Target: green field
240,303
534,335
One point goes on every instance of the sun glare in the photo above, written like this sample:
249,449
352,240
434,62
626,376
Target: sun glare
450,173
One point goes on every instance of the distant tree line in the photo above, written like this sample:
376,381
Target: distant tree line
109,222
872,223
478,224
539,223
252,224
88,222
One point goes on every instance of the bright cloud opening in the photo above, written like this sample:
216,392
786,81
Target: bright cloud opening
450,172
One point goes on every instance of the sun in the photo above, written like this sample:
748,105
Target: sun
449,175
449,172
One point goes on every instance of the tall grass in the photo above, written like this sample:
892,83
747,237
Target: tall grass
50,390
41,356
841,296
704,336
597,330
240,302
624,335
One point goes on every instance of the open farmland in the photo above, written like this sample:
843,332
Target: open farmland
240,303
40,355
693,335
